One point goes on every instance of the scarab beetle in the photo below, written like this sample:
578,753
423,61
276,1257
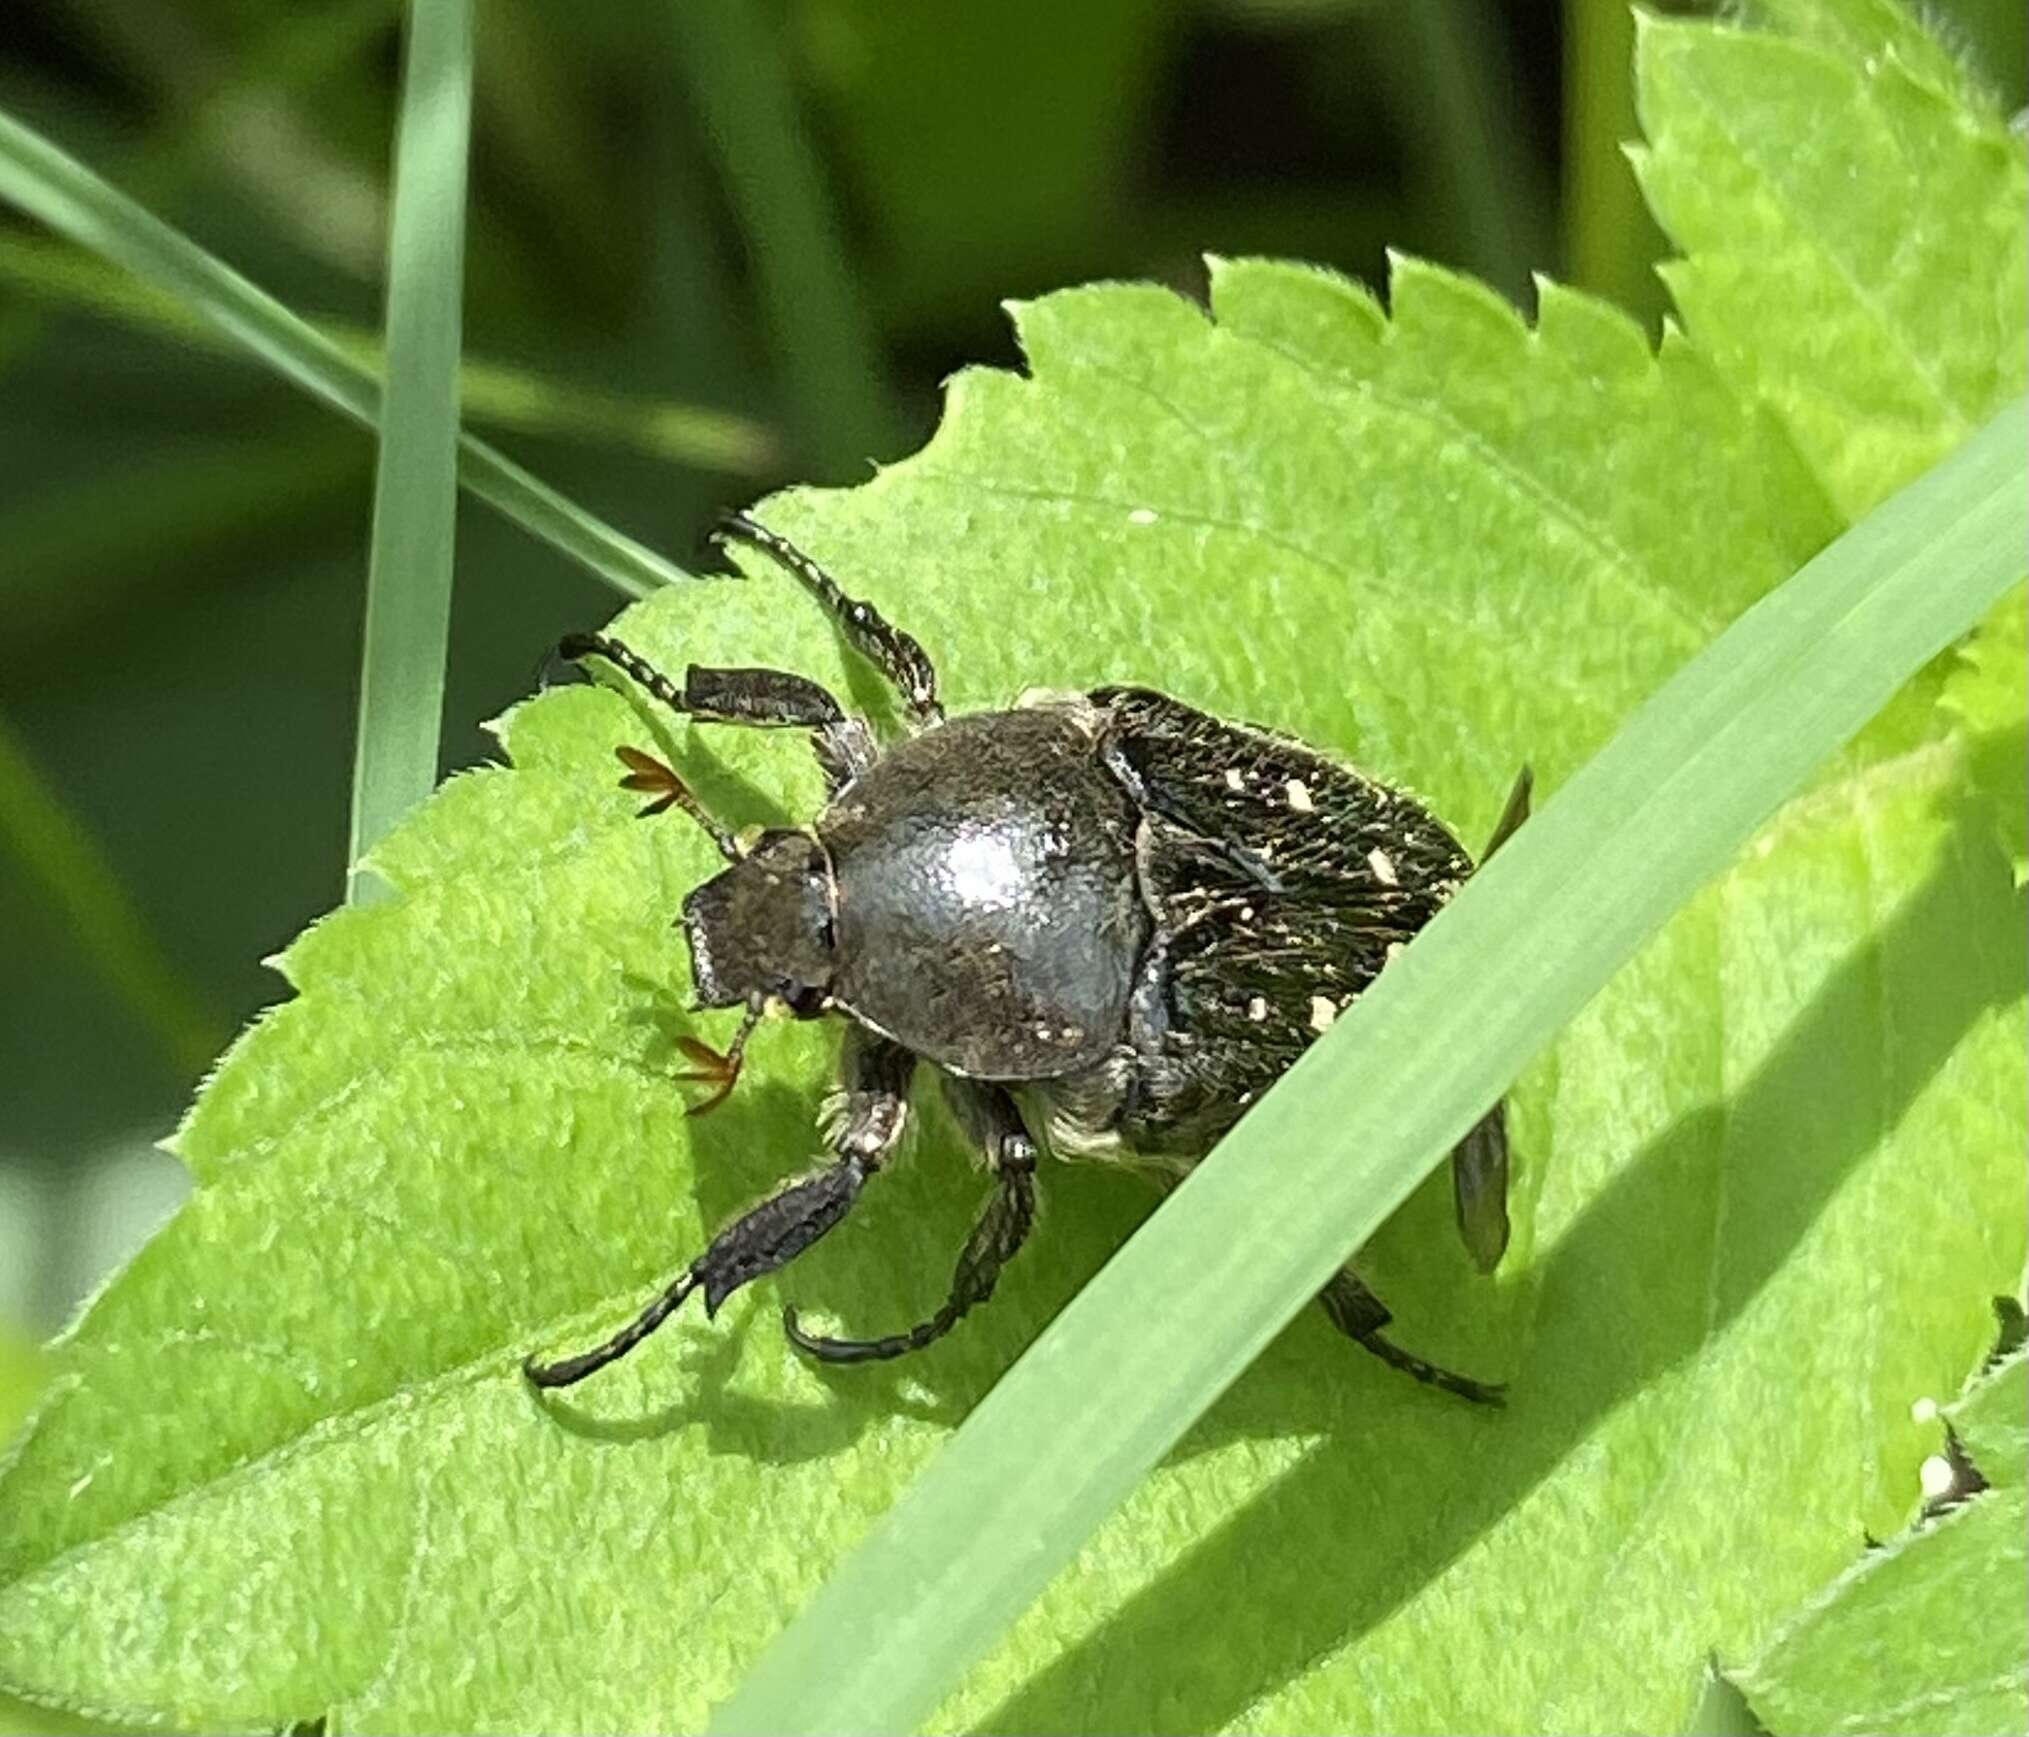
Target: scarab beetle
1106,921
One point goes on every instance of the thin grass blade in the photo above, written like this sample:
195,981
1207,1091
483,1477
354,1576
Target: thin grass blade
415,492
731,56
62,193
1219,1270
59,857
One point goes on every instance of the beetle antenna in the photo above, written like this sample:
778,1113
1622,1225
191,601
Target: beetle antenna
714,1069
659,781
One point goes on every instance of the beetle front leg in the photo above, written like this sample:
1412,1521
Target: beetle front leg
769,699
893,652
774,1233
991,1116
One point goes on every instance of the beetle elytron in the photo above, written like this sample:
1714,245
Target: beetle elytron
1107,921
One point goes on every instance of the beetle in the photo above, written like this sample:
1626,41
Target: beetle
1106,921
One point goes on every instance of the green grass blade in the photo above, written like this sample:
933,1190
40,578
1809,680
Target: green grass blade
492,392
1611,243
415,491
732,57
62,193
62,860
1191,1299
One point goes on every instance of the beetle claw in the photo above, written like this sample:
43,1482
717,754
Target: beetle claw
712,1069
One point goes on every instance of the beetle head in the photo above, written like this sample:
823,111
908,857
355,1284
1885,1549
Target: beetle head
761,929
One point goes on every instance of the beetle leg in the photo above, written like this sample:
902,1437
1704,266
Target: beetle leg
761,698
995,1240
1479,1188
891,651
785,1224
770,1236
1479,1162
1513,812
1361,1315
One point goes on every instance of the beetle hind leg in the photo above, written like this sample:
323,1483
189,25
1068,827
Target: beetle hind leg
771,1235
1361,1315
996,1239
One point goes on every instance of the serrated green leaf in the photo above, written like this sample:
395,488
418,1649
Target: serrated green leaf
1924,1636
1767,1182
1857,238
459,1143
1404,1073
1991,1420
1867,32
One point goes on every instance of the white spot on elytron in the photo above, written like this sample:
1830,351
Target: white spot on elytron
1298,793
1246,913
1936,1476
1383,866
1143,516
1923,1411
1257,1009
1322,1012
1233,779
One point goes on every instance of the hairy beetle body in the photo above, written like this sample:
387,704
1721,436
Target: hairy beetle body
1108,919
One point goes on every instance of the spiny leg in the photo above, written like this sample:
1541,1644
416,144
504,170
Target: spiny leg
1479,1162
1361,1315
894,653
758,698
991,1117
782,1226
1513,812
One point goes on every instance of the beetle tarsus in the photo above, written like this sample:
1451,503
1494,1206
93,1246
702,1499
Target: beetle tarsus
769,1237
566,1370
995,1240
894,653
1479,1392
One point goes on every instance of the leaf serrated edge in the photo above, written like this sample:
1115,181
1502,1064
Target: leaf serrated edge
1878,1559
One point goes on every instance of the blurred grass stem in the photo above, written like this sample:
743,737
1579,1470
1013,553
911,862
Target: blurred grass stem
415,497
64,863
61,192
733,62
491,392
